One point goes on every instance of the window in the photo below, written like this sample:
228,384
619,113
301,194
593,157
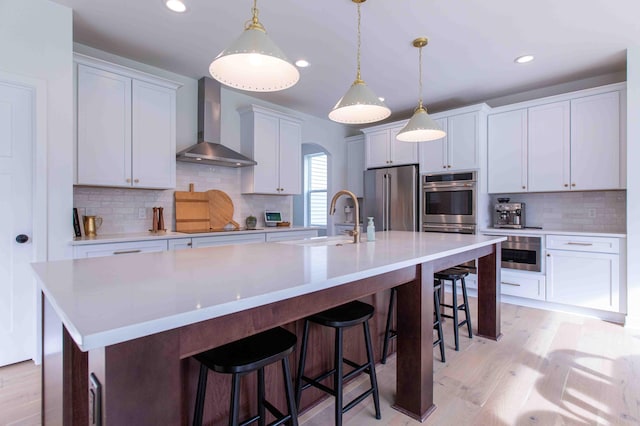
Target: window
316,189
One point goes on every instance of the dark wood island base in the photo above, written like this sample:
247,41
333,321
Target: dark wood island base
152,380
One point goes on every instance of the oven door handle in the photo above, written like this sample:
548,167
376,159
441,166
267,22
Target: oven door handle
459,186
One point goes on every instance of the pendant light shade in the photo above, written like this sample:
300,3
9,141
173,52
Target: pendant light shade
421,127
359,105
253,62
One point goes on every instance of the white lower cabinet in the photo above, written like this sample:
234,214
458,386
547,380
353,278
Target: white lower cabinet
113,249
223,240
290,235
522,284
584,271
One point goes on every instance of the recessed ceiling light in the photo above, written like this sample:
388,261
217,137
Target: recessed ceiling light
523,59
176,5
301,63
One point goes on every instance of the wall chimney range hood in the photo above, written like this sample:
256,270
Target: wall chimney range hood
208,150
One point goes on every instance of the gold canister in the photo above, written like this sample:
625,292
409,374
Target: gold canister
91,225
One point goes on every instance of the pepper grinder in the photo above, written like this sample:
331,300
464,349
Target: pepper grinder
154,227
161,219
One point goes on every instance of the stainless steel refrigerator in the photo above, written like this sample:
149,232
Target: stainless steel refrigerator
391,198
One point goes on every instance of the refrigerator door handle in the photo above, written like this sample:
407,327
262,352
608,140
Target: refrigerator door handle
387,225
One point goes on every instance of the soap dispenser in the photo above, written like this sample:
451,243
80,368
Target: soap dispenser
371,230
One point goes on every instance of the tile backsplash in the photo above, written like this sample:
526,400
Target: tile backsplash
121,209
588,211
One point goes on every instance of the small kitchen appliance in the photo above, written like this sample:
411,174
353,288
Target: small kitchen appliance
272,218
509,215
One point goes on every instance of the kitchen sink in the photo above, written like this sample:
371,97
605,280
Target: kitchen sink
338,240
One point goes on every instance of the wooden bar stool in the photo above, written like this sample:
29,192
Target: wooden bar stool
437,323
242,357
339,318
456,274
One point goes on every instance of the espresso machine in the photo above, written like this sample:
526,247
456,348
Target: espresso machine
508,215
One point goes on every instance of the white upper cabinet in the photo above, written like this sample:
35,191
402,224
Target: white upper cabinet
382,149
433,154
568,142
355,165
460,148
549,147
507,151
595,142
126,127
273,140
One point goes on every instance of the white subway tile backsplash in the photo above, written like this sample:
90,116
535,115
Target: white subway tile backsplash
119,207
570,211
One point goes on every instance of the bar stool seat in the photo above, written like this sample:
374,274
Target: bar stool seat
242,357
339,318
437,323
456,274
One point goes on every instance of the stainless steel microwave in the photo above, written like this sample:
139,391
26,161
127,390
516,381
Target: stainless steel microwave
449,198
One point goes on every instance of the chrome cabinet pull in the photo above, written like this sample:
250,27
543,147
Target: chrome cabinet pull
127,251
513,284
570,243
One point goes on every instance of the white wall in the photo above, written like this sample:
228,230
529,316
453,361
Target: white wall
633,186
36,42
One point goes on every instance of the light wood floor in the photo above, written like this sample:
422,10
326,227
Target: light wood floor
549,369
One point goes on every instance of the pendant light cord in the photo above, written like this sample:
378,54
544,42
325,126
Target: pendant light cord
420,77
358,78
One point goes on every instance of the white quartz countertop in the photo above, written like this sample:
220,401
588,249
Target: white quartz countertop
107,300
534,231
144,236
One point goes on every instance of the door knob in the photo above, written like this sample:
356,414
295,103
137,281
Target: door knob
21,239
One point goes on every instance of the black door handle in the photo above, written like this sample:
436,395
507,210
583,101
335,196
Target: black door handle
21,239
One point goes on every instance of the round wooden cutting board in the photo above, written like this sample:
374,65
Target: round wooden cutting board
220,210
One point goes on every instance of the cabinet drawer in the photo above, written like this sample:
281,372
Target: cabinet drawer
113,249
522,285
583,243
179,244
290,235
224,240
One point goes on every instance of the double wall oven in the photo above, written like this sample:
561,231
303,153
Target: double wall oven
449,202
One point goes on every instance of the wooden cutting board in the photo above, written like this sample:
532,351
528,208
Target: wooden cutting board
220,210
192,211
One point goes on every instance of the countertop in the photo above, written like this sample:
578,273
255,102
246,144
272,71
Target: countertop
107,300
143,236
531,231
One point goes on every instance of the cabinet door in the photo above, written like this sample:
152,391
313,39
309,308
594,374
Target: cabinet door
462,141
154,136
377,149
590,280
401,153
104,128
290,158
595,142
507,152
531,286
549,147
355,167
433,154
266,131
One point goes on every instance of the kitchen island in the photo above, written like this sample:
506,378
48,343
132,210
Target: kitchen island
131,323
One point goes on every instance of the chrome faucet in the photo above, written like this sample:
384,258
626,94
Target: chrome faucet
332,209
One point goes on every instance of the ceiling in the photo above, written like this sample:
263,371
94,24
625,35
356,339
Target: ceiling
470,56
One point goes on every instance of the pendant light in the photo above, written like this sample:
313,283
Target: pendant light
421,127
359,105
253,62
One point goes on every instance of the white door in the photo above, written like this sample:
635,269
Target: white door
433,154
290,158
462,141
507,152
17,287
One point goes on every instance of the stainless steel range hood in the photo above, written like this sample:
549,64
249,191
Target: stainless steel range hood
208,150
